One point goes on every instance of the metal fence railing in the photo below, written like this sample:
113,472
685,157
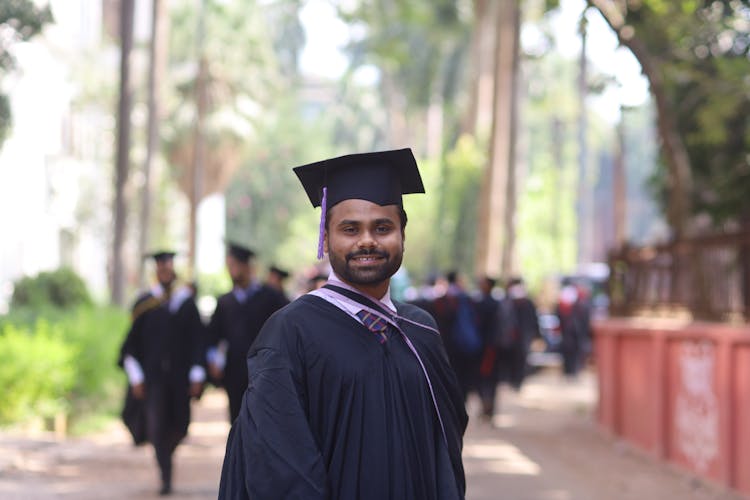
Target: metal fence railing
707,277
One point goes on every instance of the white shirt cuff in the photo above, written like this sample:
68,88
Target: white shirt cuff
217,357
133,369
197,374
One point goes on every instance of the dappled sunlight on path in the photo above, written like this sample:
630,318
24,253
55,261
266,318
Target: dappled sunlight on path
108,466
543,444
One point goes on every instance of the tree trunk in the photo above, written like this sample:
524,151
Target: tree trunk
557,158
619,185
123,152
434,127
480,87
673,148
493,231
509,264
397,133
157,57
583,201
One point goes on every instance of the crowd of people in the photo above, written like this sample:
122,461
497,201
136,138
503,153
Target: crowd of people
170,354
342,392
488,330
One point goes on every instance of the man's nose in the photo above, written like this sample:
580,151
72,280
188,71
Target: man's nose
366,240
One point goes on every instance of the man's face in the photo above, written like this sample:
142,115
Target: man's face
165,272
365,244
239,271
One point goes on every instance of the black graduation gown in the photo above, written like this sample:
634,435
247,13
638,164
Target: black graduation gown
238,323
330,413
166,345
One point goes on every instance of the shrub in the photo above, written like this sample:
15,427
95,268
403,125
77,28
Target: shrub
79,346
60,288
37,371
96,334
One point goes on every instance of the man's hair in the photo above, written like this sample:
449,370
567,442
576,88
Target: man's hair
401,213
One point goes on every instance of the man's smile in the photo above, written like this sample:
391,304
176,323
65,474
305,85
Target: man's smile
366,257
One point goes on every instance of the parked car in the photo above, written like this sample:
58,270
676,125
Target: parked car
549,328
546,352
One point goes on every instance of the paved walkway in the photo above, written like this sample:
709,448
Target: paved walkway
543,445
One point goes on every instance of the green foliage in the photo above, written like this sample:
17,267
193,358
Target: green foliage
701,48
37,371
96,335
464,169
60,288
20,20
423,235
414,44
6,119
265,195
69,358
214,284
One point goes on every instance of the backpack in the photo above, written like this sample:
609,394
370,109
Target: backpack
465,333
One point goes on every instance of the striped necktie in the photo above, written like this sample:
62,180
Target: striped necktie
376,324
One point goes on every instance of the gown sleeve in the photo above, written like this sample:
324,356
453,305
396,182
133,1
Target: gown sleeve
271,451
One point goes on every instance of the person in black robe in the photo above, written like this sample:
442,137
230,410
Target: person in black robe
163,357
488,317
276,278
574,313
525,324
236,321
351,394
457,321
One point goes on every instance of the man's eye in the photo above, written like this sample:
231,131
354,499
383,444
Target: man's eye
383,229
349,229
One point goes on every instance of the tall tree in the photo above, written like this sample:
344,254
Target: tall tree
157,58
122,164
695,56
224,94
675,152
478,114
495,252
583,198
419,49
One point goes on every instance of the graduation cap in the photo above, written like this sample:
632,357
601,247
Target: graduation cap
239,252
281,272
161,255
380,177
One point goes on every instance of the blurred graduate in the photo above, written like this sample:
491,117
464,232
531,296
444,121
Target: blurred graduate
236,321
163,358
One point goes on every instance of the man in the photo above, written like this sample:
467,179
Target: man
276,277
162,356
236,321
522,322
457,321
351,395
487,307
574,314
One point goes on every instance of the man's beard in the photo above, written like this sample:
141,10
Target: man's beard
366,275
167,281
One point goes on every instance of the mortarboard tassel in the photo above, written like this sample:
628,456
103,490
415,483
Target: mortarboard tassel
322,229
